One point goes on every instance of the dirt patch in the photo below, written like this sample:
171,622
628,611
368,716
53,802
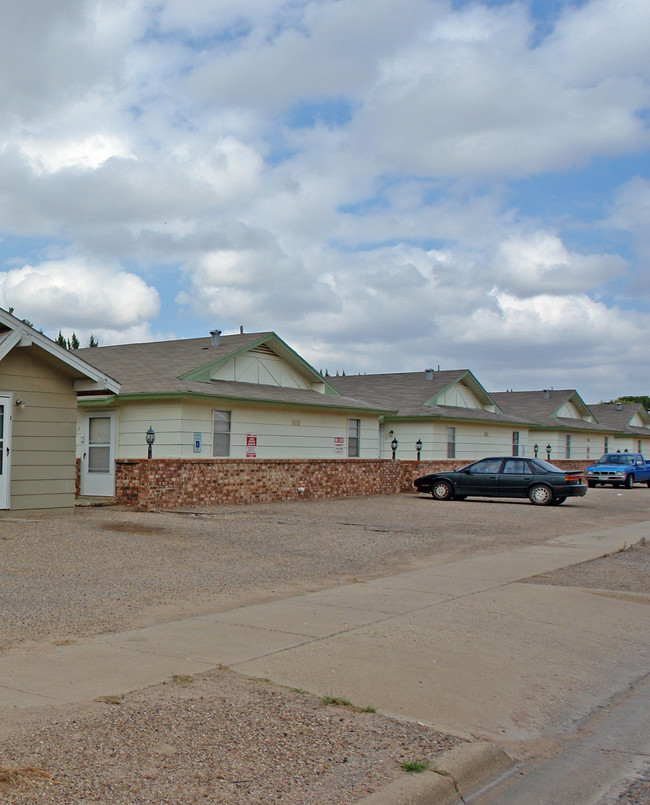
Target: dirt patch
625,571
133,528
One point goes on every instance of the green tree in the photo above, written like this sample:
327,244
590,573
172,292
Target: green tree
644,399
94,342
60,340
74,342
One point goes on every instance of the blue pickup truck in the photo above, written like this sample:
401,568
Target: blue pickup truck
619,469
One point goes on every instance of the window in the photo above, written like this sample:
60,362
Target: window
486,466
515,442
451,442
221,433
354,431
567,447
638,447
516,467
606,450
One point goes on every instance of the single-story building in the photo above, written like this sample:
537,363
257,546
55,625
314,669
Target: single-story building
250,396
446,414
39,383
234,396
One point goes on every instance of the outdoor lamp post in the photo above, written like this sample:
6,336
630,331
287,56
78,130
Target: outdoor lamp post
536,449
150,436
548,452
393,446
418,447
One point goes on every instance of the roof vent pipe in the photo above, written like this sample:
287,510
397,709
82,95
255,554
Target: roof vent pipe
241,329
216,338
619,406
429,374
547,394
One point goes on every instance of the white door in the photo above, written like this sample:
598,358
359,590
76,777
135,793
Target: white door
5,451
98,458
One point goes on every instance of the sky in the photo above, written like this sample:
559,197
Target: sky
389,185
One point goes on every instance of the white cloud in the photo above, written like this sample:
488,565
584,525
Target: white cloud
72,293
170,134
540,262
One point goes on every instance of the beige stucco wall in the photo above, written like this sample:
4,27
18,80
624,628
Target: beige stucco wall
42,449
583,445
282,432
473,440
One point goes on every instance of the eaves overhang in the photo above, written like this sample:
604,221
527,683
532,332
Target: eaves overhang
113,400
85,376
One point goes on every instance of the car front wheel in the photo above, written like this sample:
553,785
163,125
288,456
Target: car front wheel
629,481
540,495
442,490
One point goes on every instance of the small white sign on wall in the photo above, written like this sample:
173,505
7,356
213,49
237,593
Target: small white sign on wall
251,445
197,442
339,445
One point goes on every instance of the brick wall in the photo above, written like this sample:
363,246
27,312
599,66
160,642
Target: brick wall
170,483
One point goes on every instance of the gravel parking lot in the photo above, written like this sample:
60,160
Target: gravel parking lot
220,738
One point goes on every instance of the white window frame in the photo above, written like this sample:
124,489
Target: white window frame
451,442
515,442
223,442
354,438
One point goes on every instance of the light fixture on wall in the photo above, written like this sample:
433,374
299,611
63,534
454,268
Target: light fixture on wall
418,447
150,436
536,449
393,446
20,403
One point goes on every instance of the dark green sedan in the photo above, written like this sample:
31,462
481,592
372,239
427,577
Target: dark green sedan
542,483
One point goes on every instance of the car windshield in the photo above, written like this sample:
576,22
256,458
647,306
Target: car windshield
616,458
543,466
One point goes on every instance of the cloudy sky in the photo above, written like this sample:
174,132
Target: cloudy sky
388,184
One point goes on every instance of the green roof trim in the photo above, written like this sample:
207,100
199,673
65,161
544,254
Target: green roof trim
203,374
474,385
220,399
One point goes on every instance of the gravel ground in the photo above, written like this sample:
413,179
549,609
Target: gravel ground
221,738
110,569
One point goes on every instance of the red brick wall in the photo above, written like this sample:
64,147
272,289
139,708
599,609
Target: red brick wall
170,483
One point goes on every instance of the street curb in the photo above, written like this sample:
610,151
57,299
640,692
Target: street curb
452,778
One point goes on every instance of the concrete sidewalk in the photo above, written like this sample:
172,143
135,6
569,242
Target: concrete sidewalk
461,645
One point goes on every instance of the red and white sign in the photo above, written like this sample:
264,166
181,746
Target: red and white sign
251,445
339,444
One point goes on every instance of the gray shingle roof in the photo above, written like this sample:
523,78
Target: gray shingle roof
407,393
156,367
619,419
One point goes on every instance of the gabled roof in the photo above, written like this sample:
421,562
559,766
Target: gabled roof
416,394
542,407
618,416
15,333
185,366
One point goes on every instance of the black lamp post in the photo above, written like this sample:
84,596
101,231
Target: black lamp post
393,446
548,452
536,449
150,436
418,447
